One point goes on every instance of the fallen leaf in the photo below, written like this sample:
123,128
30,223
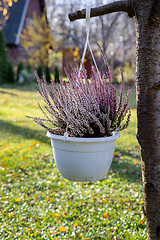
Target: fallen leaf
63,229
75,225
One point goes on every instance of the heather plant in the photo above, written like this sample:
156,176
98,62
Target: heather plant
84,107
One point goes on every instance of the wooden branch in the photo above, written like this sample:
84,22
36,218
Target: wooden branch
118,6
154,14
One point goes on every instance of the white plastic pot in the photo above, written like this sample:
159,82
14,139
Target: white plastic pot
83,159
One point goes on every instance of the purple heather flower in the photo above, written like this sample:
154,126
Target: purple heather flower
87,107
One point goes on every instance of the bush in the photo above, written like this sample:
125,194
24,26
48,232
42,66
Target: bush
19,69
29,68
40,71
56,75
10,73
47,74
25,77
3,58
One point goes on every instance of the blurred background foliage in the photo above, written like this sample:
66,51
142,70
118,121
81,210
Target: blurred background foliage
51,42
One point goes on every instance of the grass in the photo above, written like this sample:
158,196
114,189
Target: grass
37,203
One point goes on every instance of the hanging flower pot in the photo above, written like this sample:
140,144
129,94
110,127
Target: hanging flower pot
83,159
82,117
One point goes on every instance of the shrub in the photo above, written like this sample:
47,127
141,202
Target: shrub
10,73
47,74
56,75
19,69
40,71
3,58
29,68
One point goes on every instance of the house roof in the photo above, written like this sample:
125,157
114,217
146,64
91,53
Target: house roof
14,24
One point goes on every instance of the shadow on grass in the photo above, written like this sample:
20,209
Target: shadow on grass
24,87
31,87
27,133
4,92
126,164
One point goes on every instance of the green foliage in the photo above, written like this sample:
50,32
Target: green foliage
19,69
37,203
47,74
128,72
3,58
10,73
56,75
29,68
40,71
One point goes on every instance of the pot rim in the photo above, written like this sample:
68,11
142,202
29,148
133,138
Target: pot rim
116,135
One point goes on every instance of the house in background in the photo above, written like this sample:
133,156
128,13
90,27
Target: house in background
21,13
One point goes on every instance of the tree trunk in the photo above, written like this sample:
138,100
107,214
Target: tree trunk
147,13
148,111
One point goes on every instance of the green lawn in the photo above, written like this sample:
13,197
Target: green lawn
37,203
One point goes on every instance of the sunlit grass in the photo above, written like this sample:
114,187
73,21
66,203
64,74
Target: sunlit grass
37,203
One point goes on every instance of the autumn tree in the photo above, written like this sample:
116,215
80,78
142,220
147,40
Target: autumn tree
37,40
147,15
4,10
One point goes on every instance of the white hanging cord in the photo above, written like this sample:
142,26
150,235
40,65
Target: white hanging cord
88,10
95,62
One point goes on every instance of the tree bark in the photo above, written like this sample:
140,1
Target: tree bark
148,110
147,14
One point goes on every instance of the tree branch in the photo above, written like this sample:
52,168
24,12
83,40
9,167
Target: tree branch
118,6
154,14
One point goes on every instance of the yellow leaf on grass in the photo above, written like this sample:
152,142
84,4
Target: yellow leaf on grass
56,214
6,150
106,216
17,199
123,199
29,229
59,222
75,225
63,229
